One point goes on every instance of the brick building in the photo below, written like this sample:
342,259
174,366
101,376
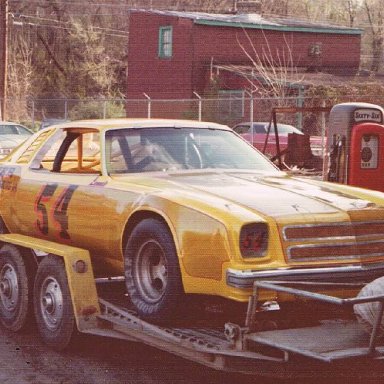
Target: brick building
174,54
171,54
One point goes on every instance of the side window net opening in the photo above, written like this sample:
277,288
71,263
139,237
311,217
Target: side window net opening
70,152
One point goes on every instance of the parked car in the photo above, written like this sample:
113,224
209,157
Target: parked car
260,130
12,135
52,121
178,208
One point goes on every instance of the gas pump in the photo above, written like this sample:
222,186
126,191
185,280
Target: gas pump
355,145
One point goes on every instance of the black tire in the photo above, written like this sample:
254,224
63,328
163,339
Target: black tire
152,272
16,287
52,303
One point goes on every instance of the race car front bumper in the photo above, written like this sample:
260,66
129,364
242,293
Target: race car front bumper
363,273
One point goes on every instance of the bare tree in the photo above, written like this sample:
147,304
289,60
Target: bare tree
375,14
20,79
272,73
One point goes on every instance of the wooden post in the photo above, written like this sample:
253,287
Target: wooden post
3,56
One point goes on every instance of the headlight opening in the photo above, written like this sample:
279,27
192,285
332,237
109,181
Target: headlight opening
254,240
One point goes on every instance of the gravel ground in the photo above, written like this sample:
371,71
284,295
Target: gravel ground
24,359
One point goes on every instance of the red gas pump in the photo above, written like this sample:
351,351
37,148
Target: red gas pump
355,153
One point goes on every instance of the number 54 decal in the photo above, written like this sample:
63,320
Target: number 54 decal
58,213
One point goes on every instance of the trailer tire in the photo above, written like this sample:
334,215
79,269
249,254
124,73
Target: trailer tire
52,303
152,272
16,286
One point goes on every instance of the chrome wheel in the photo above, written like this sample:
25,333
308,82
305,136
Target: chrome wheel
16,278
151,272
51,303
9,288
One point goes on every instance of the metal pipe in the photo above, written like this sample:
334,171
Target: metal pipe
375,329
149,108
318,296
200,104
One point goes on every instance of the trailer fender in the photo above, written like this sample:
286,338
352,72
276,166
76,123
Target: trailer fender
79,272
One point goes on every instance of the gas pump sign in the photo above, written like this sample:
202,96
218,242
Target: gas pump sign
365,114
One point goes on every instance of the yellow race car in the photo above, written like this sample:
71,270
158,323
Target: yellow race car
181,207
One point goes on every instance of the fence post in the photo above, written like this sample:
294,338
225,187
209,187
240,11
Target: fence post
300,103
66,109
104,109
33,114
149,105
200,105
323,131
250,114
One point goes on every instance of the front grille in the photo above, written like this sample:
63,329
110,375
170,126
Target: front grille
334,241
333,231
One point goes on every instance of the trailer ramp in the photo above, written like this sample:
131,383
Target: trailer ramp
326,348
207,346
329,341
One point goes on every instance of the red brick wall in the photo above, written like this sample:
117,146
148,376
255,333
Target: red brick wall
196,47
222,45
159,78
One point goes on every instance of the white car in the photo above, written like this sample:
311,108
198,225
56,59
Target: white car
11,136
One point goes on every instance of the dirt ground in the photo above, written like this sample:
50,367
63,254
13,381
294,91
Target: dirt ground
24,359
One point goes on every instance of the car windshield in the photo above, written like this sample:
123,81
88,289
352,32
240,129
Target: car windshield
285,128
14,129
167,149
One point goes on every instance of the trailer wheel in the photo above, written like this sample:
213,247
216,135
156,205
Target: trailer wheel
152,271
15,289
52,303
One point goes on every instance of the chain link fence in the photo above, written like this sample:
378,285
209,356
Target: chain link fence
229,111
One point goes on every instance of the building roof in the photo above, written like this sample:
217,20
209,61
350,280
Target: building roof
257,21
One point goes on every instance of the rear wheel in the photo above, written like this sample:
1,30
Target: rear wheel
53,305
152,272
15,289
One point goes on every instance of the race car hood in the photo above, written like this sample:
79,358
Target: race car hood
274,195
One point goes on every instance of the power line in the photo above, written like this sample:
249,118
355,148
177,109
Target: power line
66,26
93,4
62,28
22,16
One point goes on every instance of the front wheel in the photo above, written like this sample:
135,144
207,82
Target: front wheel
15,289
52,303
152,271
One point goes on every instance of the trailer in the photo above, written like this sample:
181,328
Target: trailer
67,299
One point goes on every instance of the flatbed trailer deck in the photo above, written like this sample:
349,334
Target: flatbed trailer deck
329,348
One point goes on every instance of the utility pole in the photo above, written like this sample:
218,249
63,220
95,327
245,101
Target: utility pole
3,56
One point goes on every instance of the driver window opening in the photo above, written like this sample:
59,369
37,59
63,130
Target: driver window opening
173,148
148,150
74,151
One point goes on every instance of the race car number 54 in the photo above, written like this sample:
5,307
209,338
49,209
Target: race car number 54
56,217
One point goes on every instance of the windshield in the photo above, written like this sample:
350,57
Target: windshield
281,128
285,128
14,129
167,149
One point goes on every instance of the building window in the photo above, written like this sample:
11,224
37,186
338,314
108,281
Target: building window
315,50
165,42
231,103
